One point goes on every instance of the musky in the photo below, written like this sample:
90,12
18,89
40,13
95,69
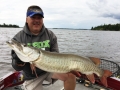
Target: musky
63,13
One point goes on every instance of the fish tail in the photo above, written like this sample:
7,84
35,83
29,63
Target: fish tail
103,79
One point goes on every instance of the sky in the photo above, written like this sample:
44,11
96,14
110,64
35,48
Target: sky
77,14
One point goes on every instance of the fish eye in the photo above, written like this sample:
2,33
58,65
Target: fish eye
25,45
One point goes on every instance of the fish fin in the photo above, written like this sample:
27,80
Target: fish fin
91,78
103,79
95,60
32,66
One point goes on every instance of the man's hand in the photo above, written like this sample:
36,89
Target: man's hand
70,82
76,73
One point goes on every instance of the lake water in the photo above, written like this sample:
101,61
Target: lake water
101,44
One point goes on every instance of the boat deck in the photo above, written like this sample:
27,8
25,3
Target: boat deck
58,85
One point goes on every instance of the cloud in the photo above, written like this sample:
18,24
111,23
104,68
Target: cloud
112,15
97,5
63,13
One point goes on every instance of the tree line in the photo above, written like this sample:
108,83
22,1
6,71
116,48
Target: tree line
107,27
9,25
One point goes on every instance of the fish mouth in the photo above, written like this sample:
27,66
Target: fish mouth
14,44
10,44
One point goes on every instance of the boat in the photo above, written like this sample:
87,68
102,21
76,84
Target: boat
14,80
10,80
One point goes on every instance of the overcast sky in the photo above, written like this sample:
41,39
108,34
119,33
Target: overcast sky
63,13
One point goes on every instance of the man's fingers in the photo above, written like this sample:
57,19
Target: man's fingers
77,74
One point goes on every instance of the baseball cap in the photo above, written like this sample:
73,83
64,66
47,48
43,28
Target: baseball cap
32,10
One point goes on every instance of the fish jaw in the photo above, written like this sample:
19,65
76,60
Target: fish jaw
25,53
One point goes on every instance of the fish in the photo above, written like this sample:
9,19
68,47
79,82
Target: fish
59,62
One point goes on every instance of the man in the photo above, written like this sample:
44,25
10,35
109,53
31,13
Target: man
35,34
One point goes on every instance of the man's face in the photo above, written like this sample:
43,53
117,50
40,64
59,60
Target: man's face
35,23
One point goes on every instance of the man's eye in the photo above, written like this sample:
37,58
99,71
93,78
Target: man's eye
32,17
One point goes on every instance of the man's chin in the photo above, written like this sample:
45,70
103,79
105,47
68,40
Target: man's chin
36,29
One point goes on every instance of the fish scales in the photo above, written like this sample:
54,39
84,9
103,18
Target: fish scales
62,63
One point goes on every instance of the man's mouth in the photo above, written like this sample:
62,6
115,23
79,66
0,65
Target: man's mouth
36,23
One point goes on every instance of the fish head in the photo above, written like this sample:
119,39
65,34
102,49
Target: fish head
16,46
24,52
